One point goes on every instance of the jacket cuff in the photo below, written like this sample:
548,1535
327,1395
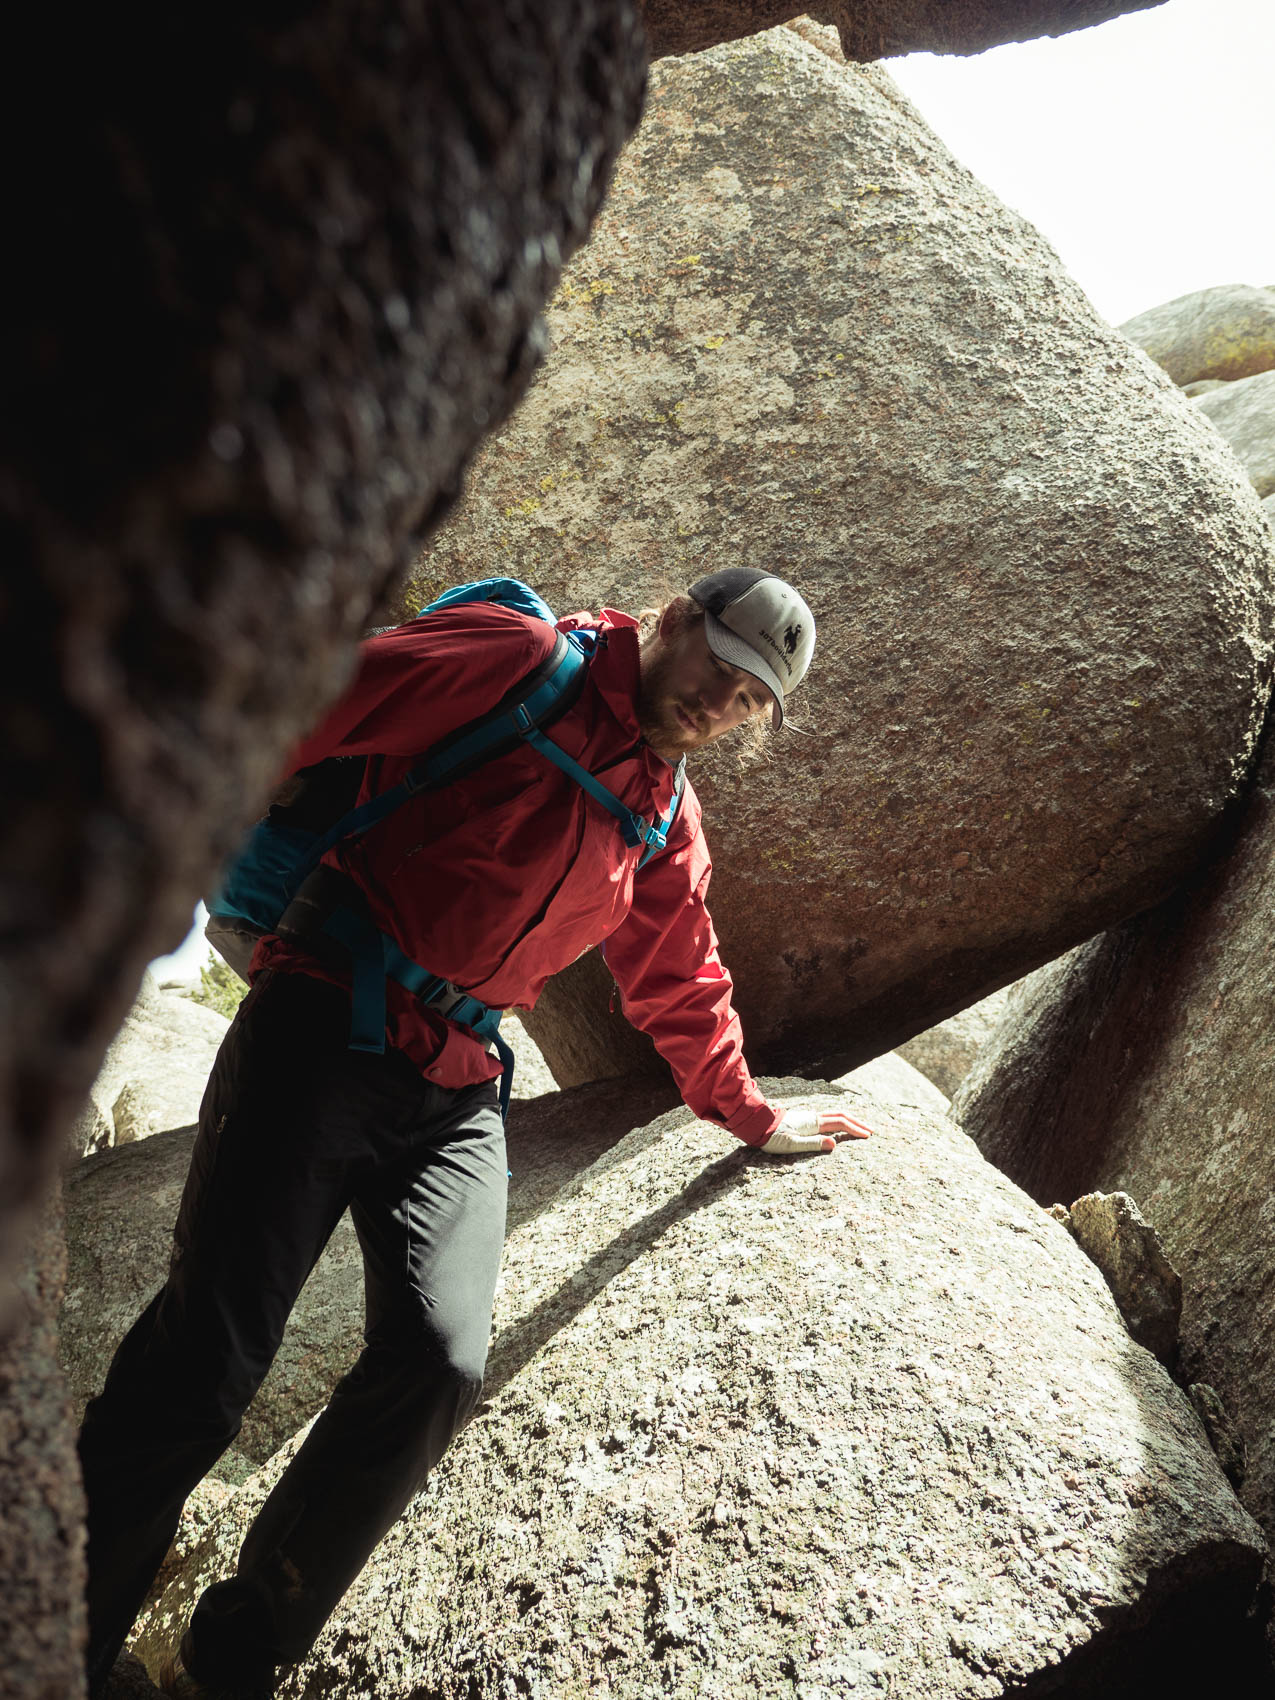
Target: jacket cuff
755,1124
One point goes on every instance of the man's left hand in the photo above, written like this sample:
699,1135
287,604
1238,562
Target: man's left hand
807,1131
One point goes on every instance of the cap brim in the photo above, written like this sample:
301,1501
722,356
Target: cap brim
729,647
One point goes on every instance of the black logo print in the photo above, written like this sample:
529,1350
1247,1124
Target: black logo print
792,636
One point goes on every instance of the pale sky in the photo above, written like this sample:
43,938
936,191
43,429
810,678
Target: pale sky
1143,150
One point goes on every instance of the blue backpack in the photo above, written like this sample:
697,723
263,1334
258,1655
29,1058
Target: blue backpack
276,882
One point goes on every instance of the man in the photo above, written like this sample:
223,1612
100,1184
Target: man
495,883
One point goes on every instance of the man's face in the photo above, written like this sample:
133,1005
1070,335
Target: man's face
689,697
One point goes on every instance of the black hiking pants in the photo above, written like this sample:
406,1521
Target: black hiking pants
294,1129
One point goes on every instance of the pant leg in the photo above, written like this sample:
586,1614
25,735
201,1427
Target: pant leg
431,1224
274,1165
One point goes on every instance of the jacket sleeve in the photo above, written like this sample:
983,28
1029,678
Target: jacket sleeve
420,681
665,961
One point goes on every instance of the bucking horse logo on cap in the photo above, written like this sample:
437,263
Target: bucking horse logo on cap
792,637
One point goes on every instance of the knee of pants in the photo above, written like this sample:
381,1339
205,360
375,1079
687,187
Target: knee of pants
445,1369
434,1370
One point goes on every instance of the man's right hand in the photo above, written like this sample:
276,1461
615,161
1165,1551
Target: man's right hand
805,1132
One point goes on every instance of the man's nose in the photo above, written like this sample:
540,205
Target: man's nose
716,697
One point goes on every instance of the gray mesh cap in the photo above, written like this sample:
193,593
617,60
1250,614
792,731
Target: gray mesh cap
756,622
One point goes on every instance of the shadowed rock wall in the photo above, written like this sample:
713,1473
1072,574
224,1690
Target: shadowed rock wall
1145,1062
876,29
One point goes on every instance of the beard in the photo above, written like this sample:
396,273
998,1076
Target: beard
658,716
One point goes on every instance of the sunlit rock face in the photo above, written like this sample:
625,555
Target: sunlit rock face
870,1423
804,338
270,283
1244,413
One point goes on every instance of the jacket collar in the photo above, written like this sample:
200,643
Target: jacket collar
617,672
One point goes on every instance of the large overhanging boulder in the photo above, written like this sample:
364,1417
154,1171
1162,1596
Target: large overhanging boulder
875,29
867,1423
269,284
1145,1062
803,337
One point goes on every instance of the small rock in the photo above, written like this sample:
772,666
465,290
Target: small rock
1224,332
1111,1230
129,1680
1244,413
1224,1437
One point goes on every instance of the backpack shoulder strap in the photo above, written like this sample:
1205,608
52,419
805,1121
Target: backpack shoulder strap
660,839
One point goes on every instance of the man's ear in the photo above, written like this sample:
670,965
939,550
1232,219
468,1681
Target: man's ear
672,618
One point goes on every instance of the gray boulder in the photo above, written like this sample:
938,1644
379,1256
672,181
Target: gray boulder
802,332
868,1423
154,1074
1244,412
945,1053
531,1072
1145,1063
893,1077
1227,332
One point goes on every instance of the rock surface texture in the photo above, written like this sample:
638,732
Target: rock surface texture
1244,412
321,242
802,333
155,1072
42,1617
1221,333
946,1053
1145,1062
762,1428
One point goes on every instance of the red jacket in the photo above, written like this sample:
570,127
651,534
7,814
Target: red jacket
505,877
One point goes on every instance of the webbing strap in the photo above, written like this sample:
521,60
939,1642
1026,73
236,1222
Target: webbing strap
482,741
660,838
374,958
635,829
366,945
